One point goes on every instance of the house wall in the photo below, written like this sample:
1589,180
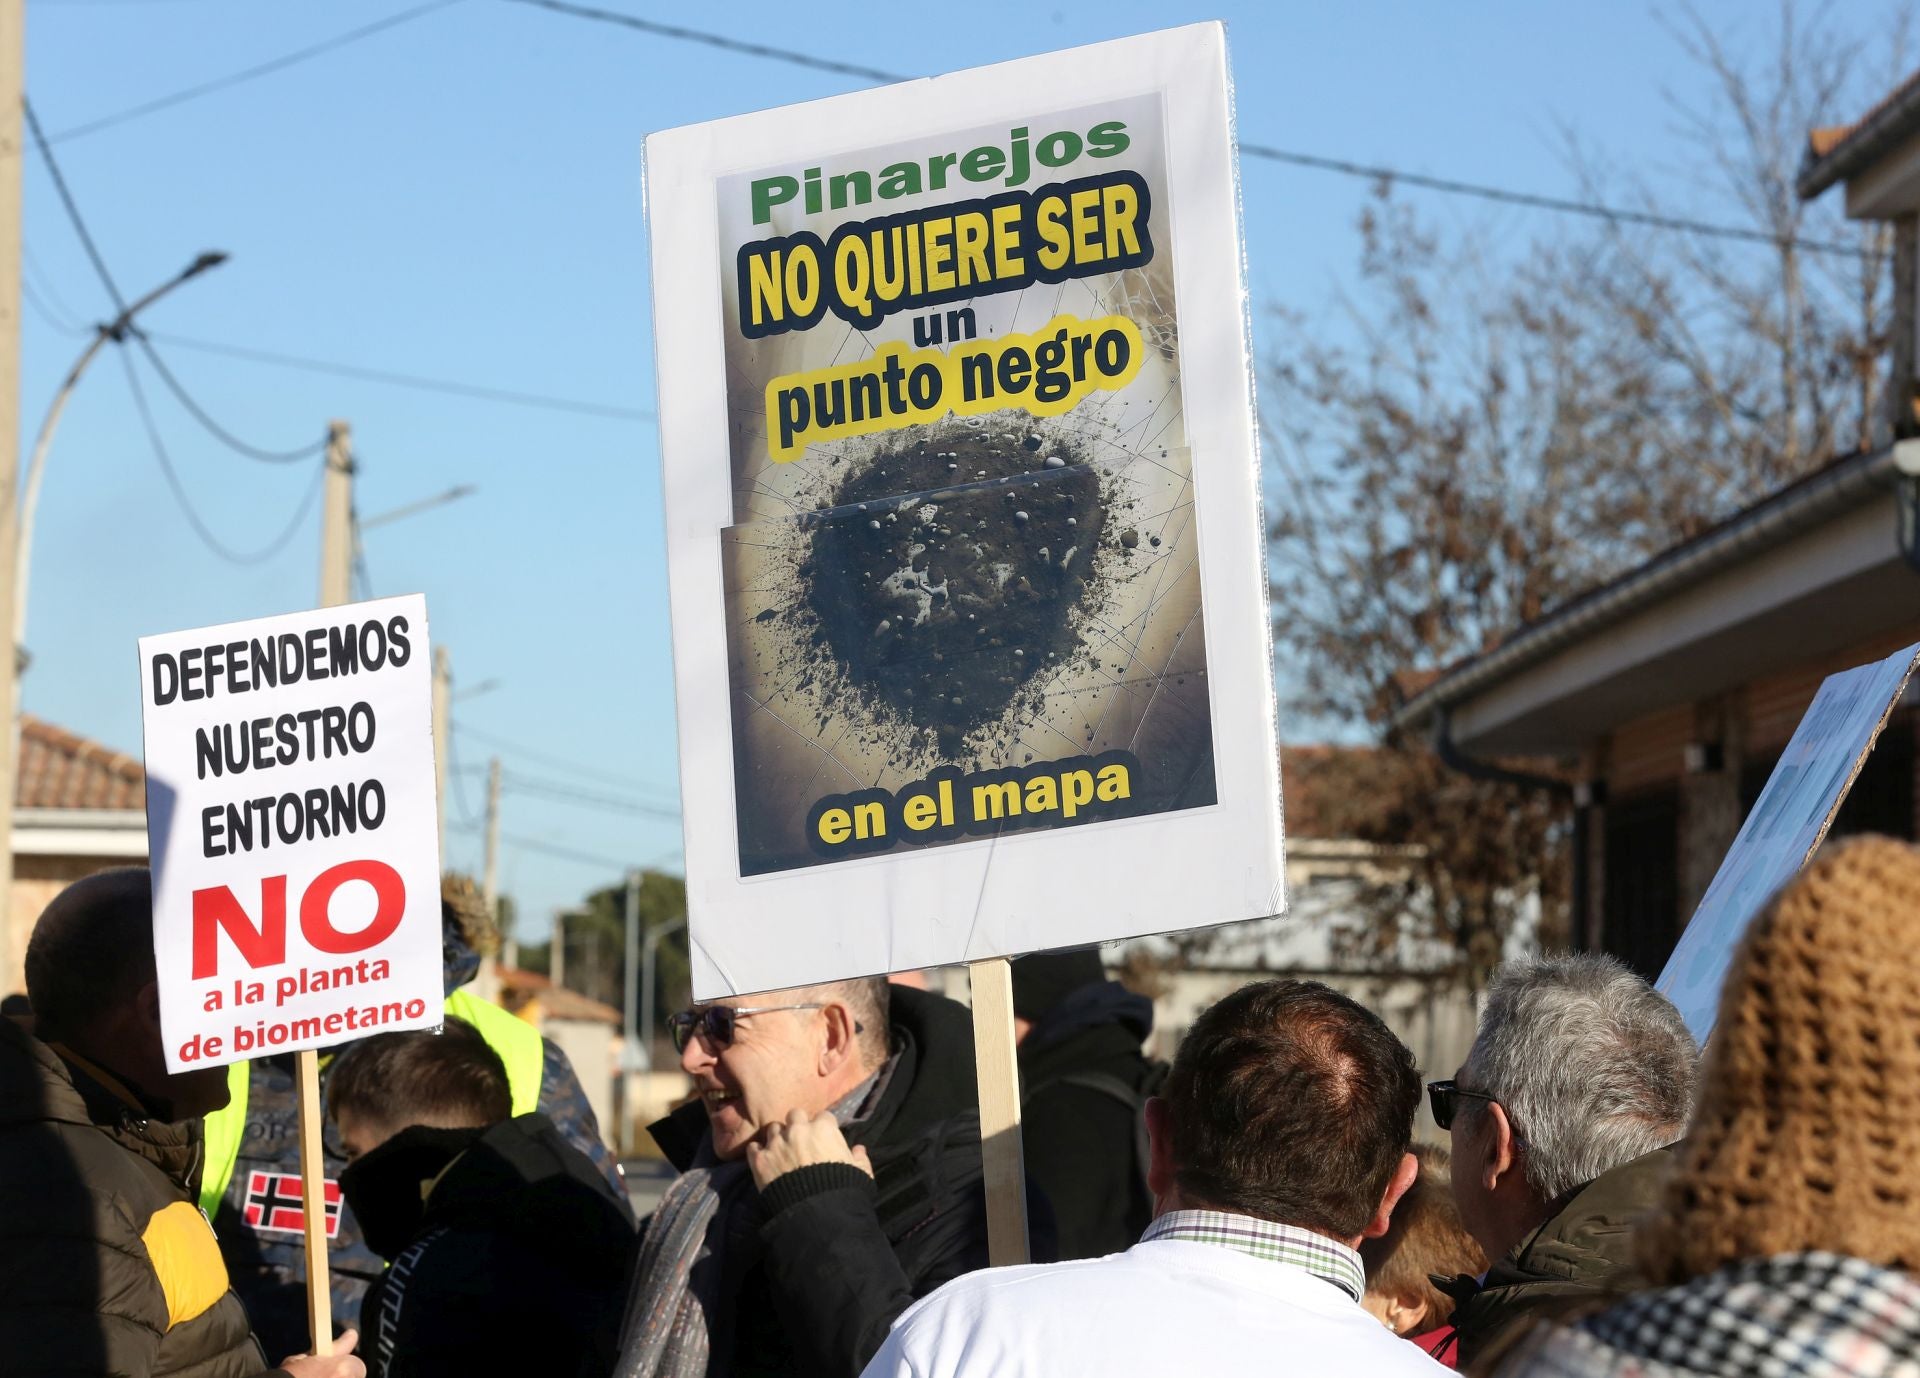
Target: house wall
1644,759
36,880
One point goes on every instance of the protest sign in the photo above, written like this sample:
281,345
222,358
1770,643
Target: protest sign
290,816
1787,824
964,524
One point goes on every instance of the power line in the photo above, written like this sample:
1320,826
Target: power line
214,428
1267,152
533,844
553,762
407,380
714,40
277,64
562,794
1592,209
52,293
73,211
201,529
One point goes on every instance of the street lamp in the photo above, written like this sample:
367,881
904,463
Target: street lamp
454,494
115,332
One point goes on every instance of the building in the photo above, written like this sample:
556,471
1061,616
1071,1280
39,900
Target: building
1671,690
1415,985
79,807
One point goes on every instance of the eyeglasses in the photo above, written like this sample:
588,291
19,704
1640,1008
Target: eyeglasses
1444,1099
715,1023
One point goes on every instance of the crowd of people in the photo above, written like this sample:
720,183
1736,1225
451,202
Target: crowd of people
1606,1202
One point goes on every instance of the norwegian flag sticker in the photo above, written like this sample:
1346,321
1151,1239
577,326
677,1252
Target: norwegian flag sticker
273,1204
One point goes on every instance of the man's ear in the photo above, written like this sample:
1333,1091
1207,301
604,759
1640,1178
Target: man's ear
1502,1147
1403,1178
842,1042
147,1002
1160,1169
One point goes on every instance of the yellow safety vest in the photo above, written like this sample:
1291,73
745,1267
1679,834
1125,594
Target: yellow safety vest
518,1043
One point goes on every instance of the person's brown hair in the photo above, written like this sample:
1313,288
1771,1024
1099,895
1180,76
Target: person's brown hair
450,1079
1426,1237
91,950
1290,1102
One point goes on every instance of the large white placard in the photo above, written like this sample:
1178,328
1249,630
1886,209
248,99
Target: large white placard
291,820
964,524
1787,823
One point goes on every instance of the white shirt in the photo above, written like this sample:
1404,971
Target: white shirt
1166,1308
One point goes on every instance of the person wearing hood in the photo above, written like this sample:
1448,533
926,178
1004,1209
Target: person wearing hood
253,1144
1084,1086
106,1267
479,1213
1787,1240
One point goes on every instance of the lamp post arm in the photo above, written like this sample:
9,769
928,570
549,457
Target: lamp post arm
115,332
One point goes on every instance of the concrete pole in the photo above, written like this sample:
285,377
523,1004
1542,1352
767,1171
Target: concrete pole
336,519
13,54
442,704
647,959
490,879
557,949
629,989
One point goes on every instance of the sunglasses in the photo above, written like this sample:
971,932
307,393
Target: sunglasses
714,1023
1443,1097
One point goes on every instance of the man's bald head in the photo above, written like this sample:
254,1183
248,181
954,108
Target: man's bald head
91,952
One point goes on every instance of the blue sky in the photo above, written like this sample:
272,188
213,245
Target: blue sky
459,197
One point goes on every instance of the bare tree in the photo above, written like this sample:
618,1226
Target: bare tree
1490,433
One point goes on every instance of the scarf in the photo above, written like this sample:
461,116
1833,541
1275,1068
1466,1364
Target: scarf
699,1245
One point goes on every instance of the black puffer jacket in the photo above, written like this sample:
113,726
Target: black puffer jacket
1083,1081
106,1264
518,1263
842,1255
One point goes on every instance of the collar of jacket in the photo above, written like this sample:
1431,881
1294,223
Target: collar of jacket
44,1083
933,1038
1588,1234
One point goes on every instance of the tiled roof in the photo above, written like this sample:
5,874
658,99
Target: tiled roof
60,770
519,989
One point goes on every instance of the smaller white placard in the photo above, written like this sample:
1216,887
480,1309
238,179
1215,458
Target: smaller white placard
292,825
1787,823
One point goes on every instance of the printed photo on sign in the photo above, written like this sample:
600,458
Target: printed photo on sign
963,591
293,830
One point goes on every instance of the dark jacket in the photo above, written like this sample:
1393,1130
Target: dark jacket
269,1265
106,1264
1582,1251
518,1263
1083,1080
842,1255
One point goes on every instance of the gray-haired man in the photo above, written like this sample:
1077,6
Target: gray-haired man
1580,1078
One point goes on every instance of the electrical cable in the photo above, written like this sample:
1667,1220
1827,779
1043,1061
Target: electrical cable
46,313
212,427
532,844
44,280
206,88
561,794
73,211
213,542
1267,152
713,40
556,762
407,380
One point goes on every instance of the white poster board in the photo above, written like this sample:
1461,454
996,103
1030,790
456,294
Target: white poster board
965,535
1787,824
291,821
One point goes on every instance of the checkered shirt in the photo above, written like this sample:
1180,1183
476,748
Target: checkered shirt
1327,1259
1807,1315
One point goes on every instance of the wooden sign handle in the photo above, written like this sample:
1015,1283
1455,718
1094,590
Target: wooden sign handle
998,1073
313,1203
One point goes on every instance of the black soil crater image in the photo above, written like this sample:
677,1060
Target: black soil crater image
943,573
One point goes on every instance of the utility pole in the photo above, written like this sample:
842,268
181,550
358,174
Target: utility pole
13,56
489,885
629,1008
557,949
336,519
442,705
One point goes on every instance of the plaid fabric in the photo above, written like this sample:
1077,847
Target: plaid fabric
1327,1259
1809,1315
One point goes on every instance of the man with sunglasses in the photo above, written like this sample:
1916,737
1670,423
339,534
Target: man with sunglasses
830,1174
1579,1081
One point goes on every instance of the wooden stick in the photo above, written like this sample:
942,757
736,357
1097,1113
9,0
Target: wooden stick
998,1072
313,1203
